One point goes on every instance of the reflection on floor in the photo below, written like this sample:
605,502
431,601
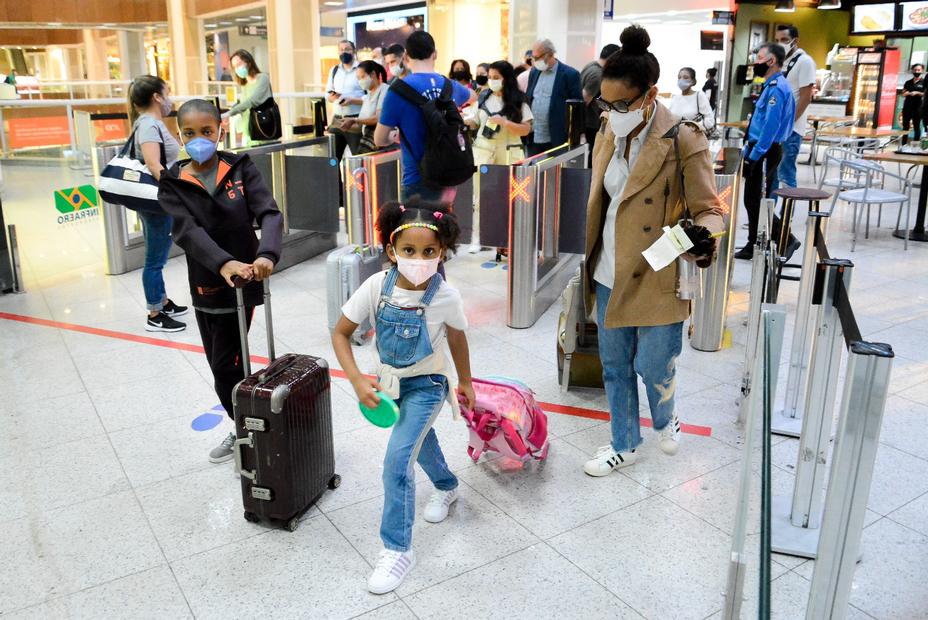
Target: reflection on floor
110,509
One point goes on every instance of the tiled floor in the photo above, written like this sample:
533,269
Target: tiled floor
109,508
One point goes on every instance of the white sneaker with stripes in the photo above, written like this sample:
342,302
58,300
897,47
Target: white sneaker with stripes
391,570
669,437
607,460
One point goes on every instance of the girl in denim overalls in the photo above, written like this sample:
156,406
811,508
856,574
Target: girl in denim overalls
415,312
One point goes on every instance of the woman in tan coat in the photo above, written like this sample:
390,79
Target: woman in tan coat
637,189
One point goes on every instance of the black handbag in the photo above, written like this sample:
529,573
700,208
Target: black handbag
264,121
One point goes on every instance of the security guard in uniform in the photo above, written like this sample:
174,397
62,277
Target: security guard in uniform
771,125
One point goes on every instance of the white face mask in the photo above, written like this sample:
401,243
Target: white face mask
541,65
365,83
495,85
623,124
417,270
166,106
396,68
684,84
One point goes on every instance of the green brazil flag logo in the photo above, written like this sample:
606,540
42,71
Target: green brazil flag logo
73,199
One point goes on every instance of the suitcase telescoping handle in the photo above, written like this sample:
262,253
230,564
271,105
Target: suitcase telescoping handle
239,284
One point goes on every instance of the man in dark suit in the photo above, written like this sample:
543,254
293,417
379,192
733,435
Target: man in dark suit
550,85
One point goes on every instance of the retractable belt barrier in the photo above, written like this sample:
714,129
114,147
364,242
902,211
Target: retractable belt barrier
802,524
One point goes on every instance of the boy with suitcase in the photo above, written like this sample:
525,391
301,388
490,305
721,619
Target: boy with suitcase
213,198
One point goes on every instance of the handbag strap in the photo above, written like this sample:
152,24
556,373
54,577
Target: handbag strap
674,133
129,148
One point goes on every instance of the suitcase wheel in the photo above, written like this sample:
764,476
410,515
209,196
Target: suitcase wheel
252,517
292,524
335,482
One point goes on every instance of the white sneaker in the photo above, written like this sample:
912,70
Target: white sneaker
437,509
606,460
391,570
670,437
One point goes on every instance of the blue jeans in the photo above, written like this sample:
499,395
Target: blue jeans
156,229
429,194
413,440
786,173
649,352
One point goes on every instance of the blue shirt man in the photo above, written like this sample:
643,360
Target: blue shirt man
398,113
772,122
771,125
406,116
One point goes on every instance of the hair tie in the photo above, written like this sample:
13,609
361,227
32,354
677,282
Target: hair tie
438,215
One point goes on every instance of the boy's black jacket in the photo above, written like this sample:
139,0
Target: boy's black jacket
214,228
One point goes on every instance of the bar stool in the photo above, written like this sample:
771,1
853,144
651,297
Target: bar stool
790,196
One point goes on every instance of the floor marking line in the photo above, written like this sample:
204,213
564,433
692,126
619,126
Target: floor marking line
579,412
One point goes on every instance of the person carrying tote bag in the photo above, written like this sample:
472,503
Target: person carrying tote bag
131,180
257,100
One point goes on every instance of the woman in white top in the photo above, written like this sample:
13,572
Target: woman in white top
371,78
692,105
502,117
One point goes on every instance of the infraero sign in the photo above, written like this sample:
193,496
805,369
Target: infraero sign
75,204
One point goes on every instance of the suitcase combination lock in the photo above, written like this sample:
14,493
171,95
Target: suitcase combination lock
256,424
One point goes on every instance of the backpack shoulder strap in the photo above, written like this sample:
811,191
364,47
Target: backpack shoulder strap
483,97
407,92
447,91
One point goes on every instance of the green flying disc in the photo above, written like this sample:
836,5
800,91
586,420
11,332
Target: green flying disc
384,414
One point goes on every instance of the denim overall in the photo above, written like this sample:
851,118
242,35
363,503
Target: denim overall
403,340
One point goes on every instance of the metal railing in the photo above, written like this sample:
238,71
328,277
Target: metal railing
802,525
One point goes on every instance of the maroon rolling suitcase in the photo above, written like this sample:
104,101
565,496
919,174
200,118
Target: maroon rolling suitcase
283,421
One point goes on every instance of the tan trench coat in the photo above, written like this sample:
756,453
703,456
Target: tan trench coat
640,296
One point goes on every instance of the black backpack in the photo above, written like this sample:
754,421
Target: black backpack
448,159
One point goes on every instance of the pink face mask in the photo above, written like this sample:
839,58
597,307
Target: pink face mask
417,270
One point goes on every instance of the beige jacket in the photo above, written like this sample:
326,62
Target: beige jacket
640,296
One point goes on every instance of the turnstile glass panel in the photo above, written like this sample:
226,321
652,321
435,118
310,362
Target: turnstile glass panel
313,188
494,205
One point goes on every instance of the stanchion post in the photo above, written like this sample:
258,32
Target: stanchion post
18,286
759,269
857,440
789,420
770,330
523,245
820,398
796,520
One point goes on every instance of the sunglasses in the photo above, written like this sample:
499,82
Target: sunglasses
619,106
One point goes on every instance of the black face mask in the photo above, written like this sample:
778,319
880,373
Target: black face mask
346,57
916,75
481,80
459,76
760,69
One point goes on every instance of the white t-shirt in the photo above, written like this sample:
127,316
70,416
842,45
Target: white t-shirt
446,309
373,103
690,107
614,182
493,105
802,74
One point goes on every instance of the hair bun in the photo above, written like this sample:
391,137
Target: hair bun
635,40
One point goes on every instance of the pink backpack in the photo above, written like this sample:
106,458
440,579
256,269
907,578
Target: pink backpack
506,419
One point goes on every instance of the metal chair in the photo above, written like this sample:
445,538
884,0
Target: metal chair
869,195
847,178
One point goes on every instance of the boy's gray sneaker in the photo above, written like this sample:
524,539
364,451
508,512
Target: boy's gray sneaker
223,452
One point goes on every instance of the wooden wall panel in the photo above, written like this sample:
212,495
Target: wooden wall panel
40,38
84,11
